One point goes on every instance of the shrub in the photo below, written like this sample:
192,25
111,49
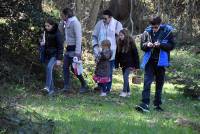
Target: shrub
185,71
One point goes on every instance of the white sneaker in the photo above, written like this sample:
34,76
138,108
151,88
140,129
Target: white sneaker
129,94
45,89
103,94
123,94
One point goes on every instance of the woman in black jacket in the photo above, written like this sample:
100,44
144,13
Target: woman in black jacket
53,52
127,57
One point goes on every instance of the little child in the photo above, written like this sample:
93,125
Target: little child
102,71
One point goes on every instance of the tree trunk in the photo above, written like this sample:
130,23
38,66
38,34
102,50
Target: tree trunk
93,14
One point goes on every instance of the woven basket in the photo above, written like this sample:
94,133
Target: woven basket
136,79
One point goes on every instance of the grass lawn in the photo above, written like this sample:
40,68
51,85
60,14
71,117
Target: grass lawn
91,114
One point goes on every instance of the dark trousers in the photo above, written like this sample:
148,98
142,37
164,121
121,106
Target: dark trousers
66,72
151,71
103,87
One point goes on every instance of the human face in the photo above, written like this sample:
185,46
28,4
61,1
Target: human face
155,28
64,17
121,36
48,27
106,19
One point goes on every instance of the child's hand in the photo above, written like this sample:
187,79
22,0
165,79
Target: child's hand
58,62
42,43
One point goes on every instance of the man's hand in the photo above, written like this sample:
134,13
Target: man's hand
157,44
150,44
58,62
78,55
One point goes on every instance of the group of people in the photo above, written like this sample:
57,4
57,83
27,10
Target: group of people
113,47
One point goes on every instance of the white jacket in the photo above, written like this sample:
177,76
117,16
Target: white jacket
102,32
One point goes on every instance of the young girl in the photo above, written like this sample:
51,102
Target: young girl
102,71
53,52
127,57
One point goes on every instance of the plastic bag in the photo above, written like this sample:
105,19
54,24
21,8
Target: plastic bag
77,66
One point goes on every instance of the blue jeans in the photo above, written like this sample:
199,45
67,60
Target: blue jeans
126,72
109,84
151,70
66,72
49,74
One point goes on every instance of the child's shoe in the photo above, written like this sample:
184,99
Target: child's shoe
103,94
123,94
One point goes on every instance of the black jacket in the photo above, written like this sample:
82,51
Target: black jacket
53,44
127,59
103,64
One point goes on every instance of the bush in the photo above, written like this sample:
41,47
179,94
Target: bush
21,27
185,71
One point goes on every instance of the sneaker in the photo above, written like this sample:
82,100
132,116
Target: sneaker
83,90
142,107
103,94
123,94
128,94
45,90
159,109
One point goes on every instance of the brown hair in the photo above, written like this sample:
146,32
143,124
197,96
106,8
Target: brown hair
127,43
106,43
155,20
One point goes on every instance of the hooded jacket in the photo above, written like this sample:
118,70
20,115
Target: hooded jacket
166,39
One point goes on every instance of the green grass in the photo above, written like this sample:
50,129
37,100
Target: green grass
90,113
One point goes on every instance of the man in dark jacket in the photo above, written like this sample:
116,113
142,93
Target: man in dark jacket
157,41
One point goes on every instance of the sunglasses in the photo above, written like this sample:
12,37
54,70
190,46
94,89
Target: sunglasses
105,19
155,27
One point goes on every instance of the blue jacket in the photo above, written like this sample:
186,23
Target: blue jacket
166,45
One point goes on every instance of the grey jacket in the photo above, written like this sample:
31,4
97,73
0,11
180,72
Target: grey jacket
72,35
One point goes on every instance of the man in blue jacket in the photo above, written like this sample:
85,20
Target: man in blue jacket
157,41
